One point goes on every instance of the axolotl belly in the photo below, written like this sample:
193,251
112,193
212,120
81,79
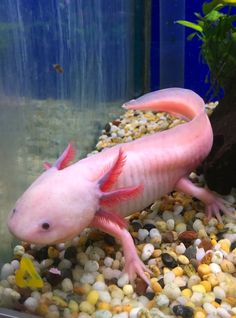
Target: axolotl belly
101,190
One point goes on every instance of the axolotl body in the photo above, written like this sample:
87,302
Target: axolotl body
101,190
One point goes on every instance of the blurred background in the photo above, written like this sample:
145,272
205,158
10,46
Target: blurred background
66,66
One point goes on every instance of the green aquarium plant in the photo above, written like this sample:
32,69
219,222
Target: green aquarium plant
215,28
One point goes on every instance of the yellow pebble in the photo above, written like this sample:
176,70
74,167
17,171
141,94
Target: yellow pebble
206,285
127,308
156,287
178,271
100,278
117,309
128,289
215,304
92,297
225,245
203,269
103,306
199,288
59,301
213,242
199,314
183,259
190,304
186,293
220,226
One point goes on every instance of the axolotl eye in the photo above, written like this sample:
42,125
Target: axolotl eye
45,226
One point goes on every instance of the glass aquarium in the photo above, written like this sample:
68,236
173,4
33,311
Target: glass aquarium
66,68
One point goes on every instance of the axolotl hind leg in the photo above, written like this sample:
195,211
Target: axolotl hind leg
133,265
214,203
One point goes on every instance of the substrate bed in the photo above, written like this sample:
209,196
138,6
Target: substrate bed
193,260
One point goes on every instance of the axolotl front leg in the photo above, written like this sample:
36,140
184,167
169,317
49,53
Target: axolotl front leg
133,265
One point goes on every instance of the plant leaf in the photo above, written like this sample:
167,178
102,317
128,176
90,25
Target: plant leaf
191,36
190,25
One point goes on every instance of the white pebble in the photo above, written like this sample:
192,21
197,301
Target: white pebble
162,300
15,263
180,249
178,209
217,257
102,314
108,261
215,268
143,300
200,253
108,273
123,280
169,277
91,266
64,264
166,215
147,251
142,234
154,233
7,270
134,312
87,278
197,298
31,303
210,309
104,296
99,286
219,292
172,291
67,285
170,224
222,312
197,225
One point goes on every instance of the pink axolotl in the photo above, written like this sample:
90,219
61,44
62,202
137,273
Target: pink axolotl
101,190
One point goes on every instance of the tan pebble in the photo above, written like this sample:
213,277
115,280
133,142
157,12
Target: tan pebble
155,270
189,215
116,264
59,301
178,271
183,259
161,225
42,310
227,266
225,245
231,301
212,279
73,306
207,258
53,252
157,253
87,307
203,269
127,307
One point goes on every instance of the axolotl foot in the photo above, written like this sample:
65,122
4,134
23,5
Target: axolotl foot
214,203
133,264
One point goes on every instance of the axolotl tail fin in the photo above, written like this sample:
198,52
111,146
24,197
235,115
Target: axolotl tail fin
180,102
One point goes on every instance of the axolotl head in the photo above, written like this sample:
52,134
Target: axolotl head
57,206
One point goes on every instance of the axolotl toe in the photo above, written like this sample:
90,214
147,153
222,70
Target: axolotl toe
101,190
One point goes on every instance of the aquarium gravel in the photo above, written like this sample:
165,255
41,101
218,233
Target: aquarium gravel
192,259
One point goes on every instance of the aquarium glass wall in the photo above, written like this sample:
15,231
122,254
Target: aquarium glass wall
66,66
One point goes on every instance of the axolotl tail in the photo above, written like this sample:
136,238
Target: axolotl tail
181,102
